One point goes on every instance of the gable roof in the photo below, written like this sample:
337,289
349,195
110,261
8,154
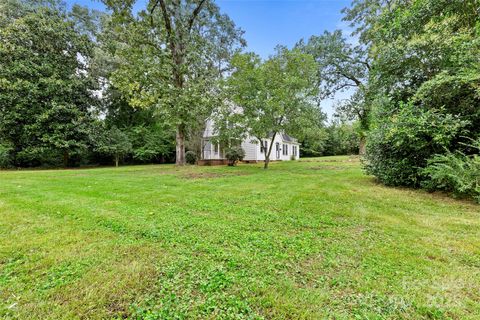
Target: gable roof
285,138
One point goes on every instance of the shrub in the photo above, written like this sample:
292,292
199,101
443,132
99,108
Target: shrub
191,157
400,144
456,173
234,154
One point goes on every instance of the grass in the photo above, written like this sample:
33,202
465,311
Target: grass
310,239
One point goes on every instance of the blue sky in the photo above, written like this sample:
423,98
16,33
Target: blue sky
268,23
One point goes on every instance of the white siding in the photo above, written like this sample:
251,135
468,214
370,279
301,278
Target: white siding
209,129
289,146
250,148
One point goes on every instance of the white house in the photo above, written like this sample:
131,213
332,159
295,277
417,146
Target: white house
284,147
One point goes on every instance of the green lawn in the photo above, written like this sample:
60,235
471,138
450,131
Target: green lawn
310,239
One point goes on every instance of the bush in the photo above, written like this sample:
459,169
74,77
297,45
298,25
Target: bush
5,156
400,144
191,157
234,155
456,173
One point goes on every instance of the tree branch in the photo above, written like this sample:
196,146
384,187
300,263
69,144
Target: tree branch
166,19
352,78
195,14
151,12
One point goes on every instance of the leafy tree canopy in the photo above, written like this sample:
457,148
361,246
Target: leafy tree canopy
274,96
172,55
424,82
46,91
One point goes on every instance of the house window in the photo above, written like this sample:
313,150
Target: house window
215,148
285,150
264,146
294,150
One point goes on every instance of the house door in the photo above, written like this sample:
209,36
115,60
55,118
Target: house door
277,149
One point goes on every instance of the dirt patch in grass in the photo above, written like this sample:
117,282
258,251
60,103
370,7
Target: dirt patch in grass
351,160
327,168
202,175
210,175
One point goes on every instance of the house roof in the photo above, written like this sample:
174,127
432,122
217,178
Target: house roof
285,137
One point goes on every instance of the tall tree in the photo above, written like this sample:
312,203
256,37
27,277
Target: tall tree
274,96
172,55
43,55
343,66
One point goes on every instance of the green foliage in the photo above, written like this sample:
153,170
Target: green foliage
191,157
456,173
5,156
342,139
63,128
423,84
234,154
45,88
274,96
114,143
152,143
342,66
399,146
172,56
152,137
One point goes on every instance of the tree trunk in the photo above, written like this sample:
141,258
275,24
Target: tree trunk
180,146
267,160
65,159
362,150
116,161
267,155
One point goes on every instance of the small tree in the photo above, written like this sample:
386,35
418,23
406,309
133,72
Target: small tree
277,95
114,143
